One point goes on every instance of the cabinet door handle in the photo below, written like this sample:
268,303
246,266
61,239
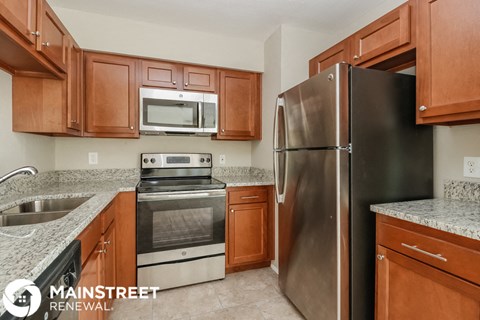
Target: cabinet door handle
36,33
102,251
107,242
433,255
232,211
131,128
422,108
46,44
174,82
186,84
356,57
380,257
249,197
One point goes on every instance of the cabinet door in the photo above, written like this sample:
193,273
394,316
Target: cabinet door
109,266
240,107
74,86
21,14
199,79
92,276
160,74
52,42
126,254
409,289
247,233
338,53
111,104
448,67
390,32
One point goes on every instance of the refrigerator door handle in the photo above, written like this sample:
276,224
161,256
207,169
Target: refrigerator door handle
279,125
279,172
279,146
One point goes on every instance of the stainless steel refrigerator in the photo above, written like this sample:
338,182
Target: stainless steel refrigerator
344,139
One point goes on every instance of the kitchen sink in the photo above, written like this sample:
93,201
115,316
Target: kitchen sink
39,211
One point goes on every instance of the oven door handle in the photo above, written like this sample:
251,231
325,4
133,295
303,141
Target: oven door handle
180,195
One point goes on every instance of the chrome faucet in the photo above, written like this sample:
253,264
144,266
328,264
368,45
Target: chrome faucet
23,170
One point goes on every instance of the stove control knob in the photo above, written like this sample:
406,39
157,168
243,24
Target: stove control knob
202,160
145,160
208,160
153,160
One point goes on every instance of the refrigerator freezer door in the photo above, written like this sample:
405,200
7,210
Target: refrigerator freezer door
313,233
316,111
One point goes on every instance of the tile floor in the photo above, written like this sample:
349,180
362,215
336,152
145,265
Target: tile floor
248,295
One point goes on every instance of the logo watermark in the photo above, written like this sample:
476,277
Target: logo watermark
24,310
68,298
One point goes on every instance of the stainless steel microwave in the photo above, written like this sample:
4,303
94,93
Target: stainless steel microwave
177,112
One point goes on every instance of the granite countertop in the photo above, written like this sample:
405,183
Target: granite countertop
455,216
243,176
28,250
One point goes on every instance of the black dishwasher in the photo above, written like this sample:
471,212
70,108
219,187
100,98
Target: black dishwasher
64,272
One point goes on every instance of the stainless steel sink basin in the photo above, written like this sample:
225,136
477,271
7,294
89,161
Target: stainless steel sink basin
39,211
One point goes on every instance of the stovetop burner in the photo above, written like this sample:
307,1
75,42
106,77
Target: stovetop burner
168,172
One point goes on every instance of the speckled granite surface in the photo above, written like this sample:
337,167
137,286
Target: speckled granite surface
462,190
243,176
26,251
455,216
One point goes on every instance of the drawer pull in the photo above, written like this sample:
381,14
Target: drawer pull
249,197
433,255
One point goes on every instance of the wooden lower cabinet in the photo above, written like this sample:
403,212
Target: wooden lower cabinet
91,276
411,284
126,250
250,228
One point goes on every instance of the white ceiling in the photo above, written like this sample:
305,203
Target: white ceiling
252,19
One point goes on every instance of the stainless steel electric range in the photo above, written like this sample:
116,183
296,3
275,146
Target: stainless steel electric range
180,221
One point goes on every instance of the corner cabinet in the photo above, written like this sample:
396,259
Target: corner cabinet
388,43
50,106
423,273
239,106
448,67
111,96
250,228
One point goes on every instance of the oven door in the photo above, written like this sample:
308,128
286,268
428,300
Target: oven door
175,220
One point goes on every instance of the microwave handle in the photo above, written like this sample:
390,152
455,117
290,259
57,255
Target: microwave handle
201,118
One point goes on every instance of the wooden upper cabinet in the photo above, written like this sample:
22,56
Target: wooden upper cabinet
385,44
177,76
448,47
111,106
21,15
160,74
52,41
391,32
199,79
240,106
74,86
49,106
338,53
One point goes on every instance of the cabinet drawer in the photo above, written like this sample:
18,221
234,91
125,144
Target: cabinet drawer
89,238
247,196
453,258
107,215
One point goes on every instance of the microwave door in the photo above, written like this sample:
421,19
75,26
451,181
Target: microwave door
210,113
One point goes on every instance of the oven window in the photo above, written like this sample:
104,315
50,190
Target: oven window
186,226
168,113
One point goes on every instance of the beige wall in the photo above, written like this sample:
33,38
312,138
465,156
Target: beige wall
451,144
20,149
72,153
99,32
105,33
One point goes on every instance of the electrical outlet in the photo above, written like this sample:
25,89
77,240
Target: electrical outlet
471,167
93,158
222,159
